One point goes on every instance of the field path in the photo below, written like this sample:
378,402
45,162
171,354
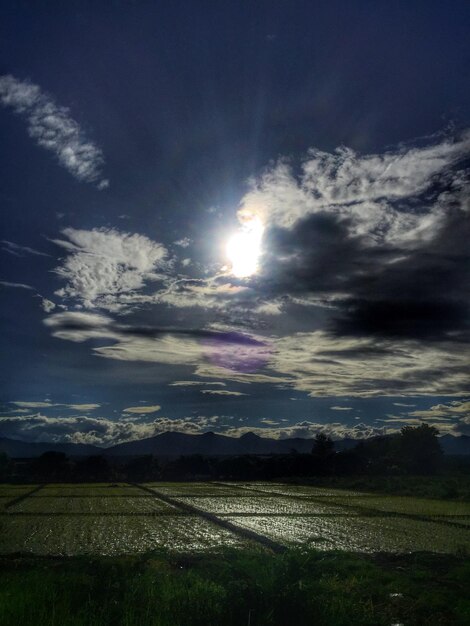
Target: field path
24,496
241,532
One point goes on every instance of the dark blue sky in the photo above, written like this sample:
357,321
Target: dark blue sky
137,137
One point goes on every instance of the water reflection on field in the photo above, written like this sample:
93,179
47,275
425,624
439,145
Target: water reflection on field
194,517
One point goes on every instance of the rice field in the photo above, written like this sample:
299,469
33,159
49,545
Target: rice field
118,519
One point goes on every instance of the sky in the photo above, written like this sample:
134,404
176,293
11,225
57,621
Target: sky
232,217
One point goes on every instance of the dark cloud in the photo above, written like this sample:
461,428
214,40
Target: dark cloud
419,290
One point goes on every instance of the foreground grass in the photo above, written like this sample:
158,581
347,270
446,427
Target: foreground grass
235,588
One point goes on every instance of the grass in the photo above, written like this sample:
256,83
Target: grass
446,487
236,588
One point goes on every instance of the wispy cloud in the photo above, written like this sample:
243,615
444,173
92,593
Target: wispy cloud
53,128
6,283
358,187
222,392
47,404
17,250
142,410
196,383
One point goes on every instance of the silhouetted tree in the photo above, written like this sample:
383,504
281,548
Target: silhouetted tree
419,449
95,468
323,446
51,466
143,468
5,466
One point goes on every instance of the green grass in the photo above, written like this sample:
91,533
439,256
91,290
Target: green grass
298,587
447,487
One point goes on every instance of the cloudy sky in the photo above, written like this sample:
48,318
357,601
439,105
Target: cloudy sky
232,217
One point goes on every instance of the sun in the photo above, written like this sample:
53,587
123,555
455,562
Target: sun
244,248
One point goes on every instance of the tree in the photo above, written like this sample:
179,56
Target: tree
323,446
51,466
4,466
95,467
419,449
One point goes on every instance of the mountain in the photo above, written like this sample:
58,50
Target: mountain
455,445
24,449
174,444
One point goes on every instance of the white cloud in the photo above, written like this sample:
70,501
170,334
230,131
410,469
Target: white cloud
82,407
54,129
452,409
308,430
183,243
100,431
362,189
322,365
33,405
222,392
47,404
341,408
6,283
196,383
105,264
315,363
142,410
47,305
17,250
103,431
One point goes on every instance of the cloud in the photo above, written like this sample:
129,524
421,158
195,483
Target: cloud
6,283
354,186
33,405
381,240
17,250
100,431
47,305
104,265
313,362
82,407
341,408
450,418
183,243
222,392
172,346
138,410
196,383
403,404
322,365
308,430
54,129
47,404
453,409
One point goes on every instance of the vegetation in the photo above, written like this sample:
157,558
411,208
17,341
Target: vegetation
413,450
450,485
236,588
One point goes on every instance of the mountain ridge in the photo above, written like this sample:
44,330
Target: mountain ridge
174,444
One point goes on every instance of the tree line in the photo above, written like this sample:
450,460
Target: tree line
414,450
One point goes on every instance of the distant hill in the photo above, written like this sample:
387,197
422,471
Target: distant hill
173,444
455,445
25,449
176,444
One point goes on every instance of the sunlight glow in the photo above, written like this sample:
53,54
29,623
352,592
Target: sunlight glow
244,248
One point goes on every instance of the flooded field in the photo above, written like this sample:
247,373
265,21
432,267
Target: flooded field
193,517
